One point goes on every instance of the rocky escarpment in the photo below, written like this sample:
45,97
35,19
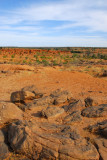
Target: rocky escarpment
54,127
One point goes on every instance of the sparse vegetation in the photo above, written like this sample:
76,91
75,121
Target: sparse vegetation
12,56
24,61
38,61
26,58
56,56
45,62
5,56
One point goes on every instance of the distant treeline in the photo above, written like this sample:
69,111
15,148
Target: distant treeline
55,48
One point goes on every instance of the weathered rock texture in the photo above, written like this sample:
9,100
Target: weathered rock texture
49,130
73,117
44,101
96,111
101,142
27,93
60,96
75,105
99,128
20,96
34,90
52,112
53,142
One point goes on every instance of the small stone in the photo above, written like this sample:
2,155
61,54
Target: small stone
60,96
21,96
95,111
73,117
44,101
75,105
52,112
34,90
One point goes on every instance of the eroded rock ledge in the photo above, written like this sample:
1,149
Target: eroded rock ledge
49,141
55,134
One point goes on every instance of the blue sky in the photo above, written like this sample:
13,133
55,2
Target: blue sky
39,23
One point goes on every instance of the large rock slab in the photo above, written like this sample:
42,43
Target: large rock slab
8,112
49,141
60,96
4,152
52,112
96,111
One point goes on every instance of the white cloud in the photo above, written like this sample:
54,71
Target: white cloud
76,13
91,14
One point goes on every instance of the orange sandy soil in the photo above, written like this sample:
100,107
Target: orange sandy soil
48,79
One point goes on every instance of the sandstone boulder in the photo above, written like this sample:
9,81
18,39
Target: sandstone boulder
27,93
96,111
52,112
60,96
9,112
20,96
34,90
52,142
